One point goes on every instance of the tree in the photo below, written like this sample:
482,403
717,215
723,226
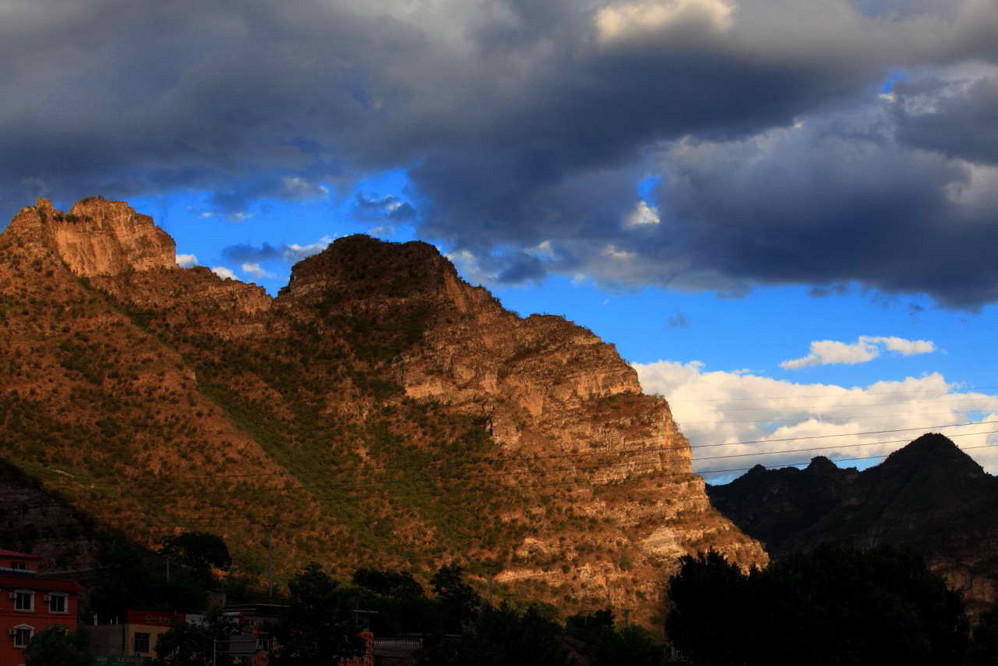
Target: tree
459,603
984,649
194,645
608,645
56,646
394,584
317,629
707,598
502,636
831,606
198,550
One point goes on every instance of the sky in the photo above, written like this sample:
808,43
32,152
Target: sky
783,213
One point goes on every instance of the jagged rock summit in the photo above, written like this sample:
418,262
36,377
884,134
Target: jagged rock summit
97,237
390,413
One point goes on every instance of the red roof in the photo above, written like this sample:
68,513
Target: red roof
32,583
23,556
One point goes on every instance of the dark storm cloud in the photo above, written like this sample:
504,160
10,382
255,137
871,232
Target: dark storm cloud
835,200
956,117
523,122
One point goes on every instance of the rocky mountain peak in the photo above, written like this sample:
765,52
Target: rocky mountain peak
97,237
360,264
354,268
936,452
822,465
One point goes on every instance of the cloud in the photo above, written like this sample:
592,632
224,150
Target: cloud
866,348
523,122
645,19
641,215
255,271
288,253
735,420
387,207
224,273
186,260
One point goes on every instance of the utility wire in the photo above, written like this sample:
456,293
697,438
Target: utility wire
352,486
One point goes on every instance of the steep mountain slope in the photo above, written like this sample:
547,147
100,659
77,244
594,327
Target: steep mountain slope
929,496
378,412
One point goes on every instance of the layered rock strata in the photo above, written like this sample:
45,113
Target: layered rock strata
387,411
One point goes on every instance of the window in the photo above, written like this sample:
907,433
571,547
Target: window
24,600
58,602
19,566
22,635
140,643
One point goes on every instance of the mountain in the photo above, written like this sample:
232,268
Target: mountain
929,496
378,412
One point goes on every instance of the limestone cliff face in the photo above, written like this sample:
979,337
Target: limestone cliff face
562,407
99,237
396,415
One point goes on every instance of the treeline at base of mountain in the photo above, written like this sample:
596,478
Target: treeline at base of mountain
833,605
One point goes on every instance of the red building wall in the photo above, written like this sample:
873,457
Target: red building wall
43,602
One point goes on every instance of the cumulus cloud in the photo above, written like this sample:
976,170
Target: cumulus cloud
866,348
641,215
735,420
224,273
186,260
254,270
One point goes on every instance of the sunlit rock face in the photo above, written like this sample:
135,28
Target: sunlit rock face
396,415
99,237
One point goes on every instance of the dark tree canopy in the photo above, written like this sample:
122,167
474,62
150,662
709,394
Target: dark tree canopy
56,646
198,550
194,645
605,644
458,601
500,637
984,650
318,628
833,606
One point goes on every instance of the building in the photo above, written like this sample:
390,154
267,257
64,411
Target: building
136,635
29,604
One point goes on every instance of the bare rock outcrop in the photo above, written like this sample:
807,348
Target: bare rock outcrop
98,237
395,415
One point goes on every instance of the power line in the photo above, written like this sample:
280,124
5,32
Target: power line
353,485
639,450
823,395
560,483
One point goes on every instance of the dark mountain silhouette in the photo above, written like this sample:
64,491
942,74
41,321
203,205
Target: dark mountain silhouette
929,496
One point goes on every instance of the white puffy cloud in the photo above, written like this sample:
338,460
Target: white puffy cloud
186,260
866,348
294,252
255,270
735,420
642,215
224,273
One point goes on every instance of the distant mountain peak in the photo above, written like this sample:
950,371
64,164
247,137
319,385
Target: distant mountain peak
821,465
937,451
